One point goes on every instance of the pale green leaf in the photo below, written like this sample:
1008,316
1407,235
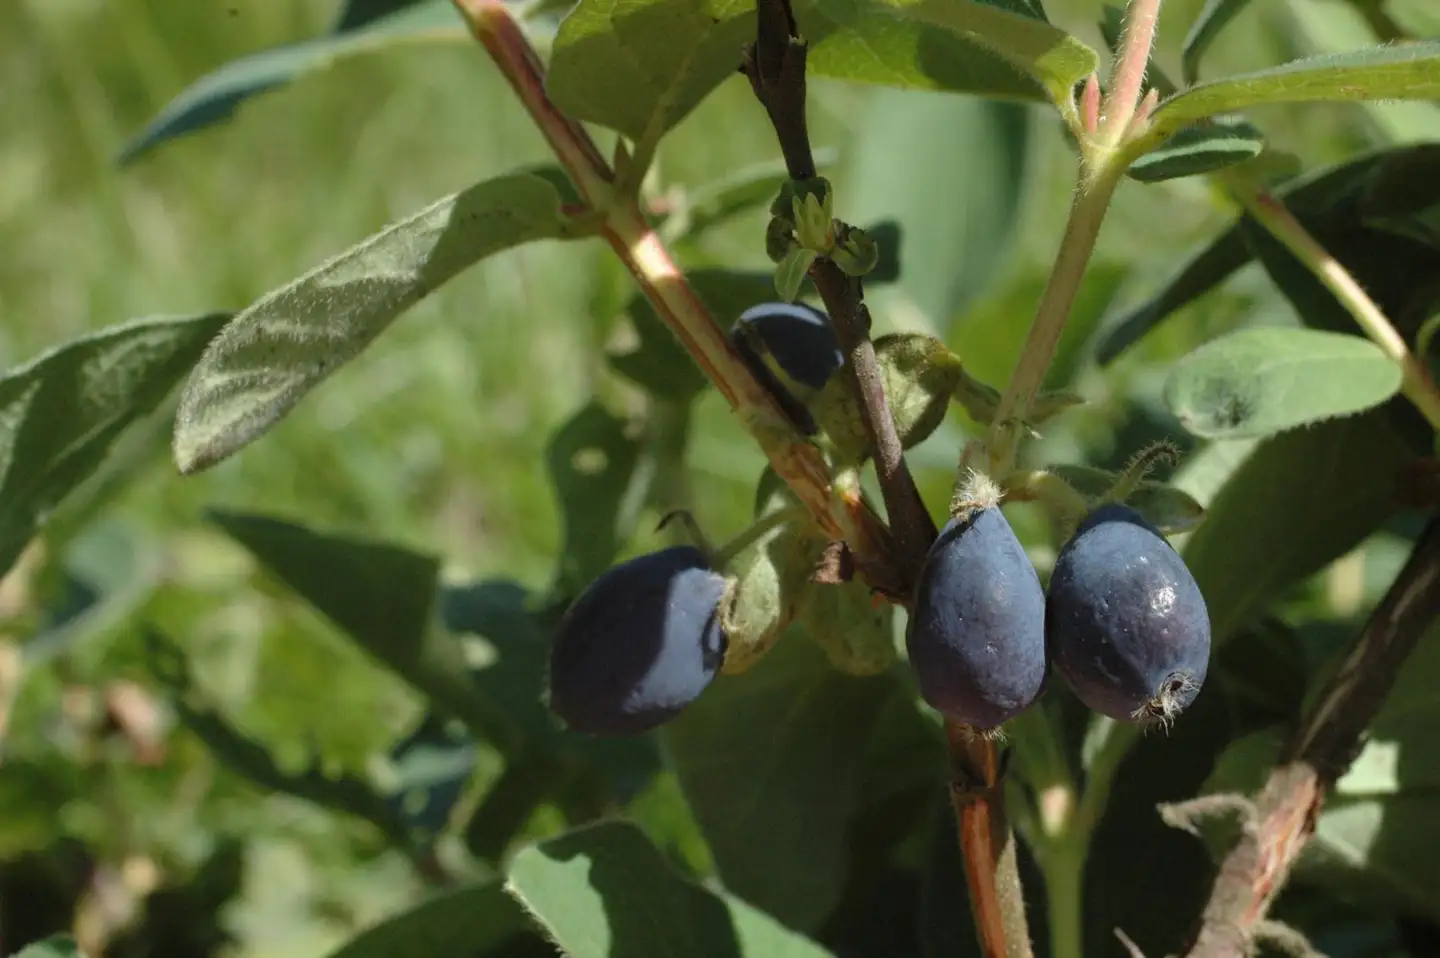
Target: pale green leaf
62,412
1261,381
1051,56
281,347
1407,72
215,96
639,66
604,891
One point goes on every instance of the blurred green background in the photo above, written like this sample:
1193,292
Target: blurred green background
434,438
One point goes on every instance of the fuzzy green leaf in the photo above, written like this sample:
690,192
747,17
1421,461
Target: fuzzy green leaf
639,66
1261,381
604,891
1407,72
362,28
274,352
855,632
1299,501
1052,57
62,412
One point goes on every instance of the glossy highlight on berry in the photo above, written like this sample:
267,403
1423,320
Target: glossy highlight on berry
640,644
976,636
1126,625
799,338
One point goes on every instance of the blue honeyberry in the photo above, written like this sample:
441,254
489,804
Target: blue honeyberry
640,644
976,635
799,339
1125,623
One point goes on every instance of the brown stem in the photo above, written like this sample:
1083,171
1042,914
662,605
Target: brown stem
775,66
977,795
1329,738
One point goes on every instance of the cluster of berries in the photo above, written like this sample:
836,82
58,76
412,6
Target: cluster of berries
1123,622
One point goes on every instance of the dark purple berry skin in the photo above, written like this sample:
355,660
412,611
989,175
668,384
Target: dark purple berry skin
640,644
798,337
976,635
1126,625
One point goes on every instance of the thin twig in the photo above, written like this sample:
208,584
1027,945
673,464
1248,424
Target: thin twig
630,235
776,69
1320,752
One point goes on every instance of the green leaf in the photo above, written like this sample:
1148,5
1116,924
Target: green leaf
1409,71
591,461
778,838
468,921
856,634
1213,18
281,347
604,891
432,766
1052,57
639,66
1202,148
863,41
361,28
56,946
951,170
382,596
62,412
1299,501
1256,382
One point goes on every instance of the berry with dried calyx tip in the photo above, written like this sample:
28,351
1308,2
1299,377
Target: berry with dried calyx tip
639,644
1126,626
976,635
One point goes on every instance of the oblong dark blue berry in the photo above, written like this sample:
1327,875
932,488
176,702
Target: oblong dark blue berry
1126,625
640,644
976,635
799,338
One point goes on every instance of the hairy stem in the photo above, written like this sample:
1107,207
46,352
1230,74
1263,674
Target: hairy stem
625,228
1318,754
1087,213
1271,213
1127,78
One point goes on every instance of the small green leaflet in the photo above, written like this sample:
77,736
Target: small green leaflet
61,413
281,347
1256,382
473,920
604,891
1202,148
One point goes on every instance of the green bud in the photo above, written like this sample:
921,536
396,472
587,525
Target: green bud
920,375
855,253
814,227
770,576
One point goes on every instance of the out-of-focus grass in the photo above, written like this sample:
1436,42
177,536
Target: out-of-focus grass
434,437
